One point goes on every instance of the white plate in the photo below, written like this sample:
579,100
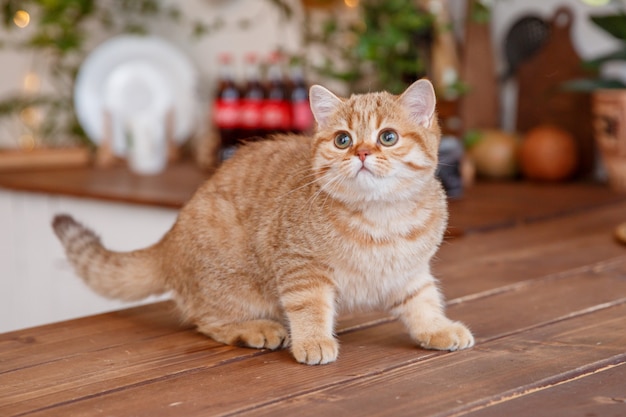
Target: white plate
132,74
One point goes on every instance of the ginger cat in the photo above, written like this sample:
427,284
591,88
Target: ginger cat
291,231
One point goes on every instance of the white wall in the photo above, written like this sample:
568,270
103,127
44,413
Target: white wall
37,285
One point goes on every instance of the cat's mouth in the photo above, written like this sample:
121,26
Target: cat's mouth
364,171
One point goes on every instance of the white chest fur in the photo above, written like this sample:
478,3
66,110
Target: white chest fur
382,256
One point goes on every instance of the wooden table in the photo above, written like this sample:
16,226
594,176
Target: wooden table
536,273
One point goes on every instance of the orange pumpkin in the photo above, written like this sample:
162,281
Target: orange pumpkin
548,153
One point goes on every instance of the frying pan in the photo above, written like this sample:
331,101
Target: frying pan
525,37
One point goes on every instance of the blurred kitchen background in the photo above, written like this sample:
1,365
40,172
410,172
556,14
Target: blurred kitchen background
43,44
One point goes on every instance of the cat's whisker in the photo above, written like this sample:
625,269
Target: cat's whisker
334,185
305,185
311,174
327,188
329,181
300,187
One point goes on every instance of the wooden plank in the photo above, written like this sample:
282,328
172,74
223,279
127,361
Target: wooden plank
260,382
599,393
521,269
492,205
87,374
64,340
542,248
542,301
463,381
172,366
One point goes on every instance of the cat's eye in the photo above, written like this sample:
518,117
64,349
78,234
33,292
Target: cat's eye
343,140
388,137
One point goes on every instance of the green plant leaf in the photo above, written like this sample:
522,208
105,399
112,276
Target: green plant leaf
596,63
480,13
471,138
614,24
284,7
587,85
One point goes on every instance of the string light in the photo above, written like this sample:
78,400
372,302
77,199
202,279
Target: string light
31,82
351,3
27,142
596,2
21,18
30,116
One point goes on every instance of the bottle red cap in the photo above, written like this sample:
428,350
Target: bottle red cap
225,58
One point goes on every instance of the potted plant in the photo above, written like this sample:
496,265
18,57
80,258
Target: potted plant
382,46
609,101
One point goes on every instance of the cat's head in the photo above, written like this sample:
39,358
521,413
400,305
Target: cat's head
375,146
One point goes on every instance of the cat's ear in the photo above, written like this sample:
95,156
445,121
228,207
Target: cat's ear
419,100
323,103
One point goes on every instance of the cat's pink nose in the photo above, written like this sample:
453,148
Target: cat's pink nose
362,153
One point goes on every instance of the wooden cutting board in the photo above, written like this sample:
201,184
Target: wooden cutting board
480,106
540,95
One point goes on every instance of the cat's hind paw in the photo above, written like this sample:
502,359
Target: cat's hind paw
258,334
452,336
263,334
315,351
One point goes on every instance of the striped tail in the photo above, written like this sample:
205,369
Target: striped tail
126,276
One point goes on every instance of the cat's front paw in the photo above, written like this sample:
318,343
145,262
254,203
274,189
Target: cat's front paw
452,336
315,351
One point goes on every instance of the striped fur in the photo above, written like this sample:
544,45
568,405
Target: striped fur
293,230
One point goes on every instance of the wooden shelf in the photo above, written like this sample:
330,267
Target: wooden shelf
41,158
171,188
